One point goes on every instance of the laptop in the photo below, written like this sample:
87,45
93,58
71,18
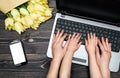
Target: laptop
84,16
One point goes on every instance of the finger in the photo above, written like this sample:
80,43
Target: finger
110,47
91,35
62,38
53,38
61,33
101,46
79,44
94,36
104,44
77,35
57,34
88,37
78,38
107,44
86,42
73,35
69,36
97,52
66,44
96,40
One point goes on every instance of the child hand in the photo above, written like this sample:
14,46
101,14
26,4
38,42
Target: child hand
103,59
74,43
91,43
57,48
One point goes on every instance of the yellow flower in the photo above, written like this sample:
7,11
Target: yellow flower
39,7
15,13
18,27
35,26
9,23
23,11
48,12
24,23
28,21
44,1
42,19
35,1
30,8
32,1
29,15
18,19
34,16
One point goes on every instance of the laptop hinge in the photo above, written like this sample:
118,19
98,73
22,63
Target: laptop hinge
63,16
63,13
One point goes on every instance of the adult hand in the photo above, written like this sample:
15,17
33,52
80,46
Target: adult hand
103,59
74,43
58,50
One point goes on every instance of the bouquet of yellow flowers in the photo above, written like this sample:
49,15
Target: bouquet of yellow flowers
28,15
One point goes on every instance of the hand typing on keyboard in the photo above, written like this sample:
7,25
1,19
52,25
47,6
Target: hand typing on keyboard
103,56
99,53
90,44
62,55
58,50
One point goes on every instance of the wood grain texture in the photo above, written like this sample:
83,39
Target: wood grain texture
35,43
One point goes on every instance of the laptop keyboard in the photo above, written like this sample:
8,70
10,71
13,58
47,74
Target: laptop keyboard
70,26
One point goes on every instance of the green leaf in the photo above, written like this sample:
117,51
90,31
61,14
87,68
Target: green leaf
9,14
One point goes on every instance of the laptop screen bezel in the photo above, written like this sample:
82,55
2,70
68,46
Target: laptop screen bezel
114,20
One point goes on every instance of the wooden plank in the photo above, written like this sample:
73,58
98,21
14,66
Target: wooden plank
2,16
35,63
33,47
4,57
77,72
41,74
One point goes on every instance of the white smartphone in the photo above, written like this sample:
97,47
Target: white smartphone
17,52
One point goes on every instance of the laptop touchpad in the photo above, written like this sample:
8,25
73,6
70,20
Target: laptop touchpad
79,59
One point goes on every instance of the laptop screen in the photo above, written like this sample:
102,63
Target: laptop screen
105,10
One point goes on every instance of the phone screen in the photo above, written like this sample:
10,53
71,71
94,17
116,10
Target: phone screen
17,52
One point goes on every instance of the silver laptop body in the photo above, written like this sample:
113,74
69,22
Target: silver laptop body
81,56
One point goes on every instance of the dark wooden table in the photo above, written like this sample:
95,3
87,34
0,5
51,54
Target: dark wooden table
35,44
